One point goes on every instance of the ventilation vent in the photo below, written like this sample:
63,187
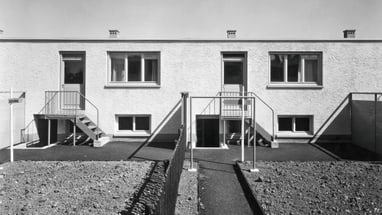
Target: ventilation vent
349,33
231,33
113,33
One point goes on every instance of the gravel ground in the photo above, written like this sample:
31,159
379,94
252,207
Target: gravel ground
43,187
187,201
317,187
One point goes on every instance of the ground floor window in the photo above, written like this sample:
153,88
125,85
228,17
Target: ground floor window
133,124
295,124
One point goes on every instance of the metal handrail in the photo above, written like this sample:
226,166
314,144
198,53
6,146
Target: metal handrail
257,97
96,110
43,108
273,112
54,96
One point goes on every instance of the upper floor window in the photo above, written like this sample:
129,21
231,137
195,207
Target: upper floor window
296,68
133,69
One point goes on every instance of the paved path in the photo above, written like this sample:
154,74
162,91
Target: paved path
219,189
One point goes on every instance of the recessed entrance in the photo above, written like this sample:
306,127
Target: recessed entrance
73,79
234,71
207,131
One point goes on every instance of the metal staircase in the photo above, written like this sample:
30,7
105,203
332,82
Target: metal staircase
65,105
88,127
244,106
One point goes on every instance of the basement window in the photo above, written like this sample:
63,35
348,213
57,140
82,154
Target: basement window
295,69
133,125
295,124
127,69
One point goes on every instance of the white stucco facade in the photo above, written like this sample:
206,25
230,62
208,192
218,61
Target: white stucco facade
33,66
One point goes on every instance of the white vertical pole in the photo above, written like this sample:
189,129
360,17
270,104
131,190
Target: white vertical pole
242,124
192,168
74,132
49,131
254,169
11,114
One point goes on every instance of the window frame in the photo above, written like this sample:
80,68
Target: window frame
132,132
293,132
146,55
301,83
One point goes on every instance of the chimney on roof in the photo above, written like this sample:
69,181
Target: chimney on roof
113,33
350,33
231,33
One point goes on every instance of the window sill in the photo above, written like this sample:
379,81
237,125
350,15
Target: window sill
294,86
131,85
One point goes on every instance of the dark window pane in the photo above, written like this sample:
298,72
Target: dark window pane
277,68
311,70
117,69
125,123
285,124
142,123
134,68
151,70
74,69
293,67
302,124
233,73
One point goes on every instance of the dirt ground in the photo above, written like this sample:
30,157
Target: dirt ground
187,201
342,187
44,187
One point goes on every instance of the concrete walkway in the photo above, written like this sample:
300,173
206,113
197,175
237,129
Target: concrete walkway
114,151
219,189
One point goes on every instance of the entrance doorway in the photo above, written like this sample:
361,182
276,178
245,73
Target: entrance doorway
234,71
207,131
73,79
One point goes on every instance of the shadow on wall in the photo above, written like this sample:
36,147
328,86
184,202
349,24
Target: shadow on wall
166,133
349,131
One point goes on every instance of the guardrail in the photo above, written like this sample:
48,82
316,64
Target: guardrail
258,99
167,201
69,103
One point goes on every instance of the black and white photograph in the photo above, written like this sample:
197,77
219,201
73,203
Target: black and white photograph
188,107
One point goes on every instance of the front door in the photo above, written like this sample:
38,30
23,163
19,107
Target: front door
73,80
234,72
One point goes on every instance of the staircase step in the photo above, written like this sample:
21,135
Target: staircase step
85,121
82,117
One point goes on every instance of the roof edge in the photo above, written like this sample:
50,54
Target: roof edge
185,40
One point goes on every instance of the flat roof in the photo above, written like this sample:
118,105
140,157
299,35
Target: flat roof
92,40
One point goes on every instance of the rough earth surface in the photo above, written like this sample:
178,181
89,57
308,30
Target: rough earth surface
43,187
187,201
342,187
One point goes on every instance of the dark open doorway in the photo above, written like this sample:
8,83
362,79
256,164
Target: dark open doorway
207,132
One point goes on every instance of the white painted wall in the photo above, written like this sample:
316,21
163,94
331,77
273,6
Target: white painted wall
194,66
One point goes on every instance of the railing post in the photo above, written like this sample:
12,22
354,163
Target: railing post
351,116
254,169
242,124
11,124
192,168
49,125
375,122
74,131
